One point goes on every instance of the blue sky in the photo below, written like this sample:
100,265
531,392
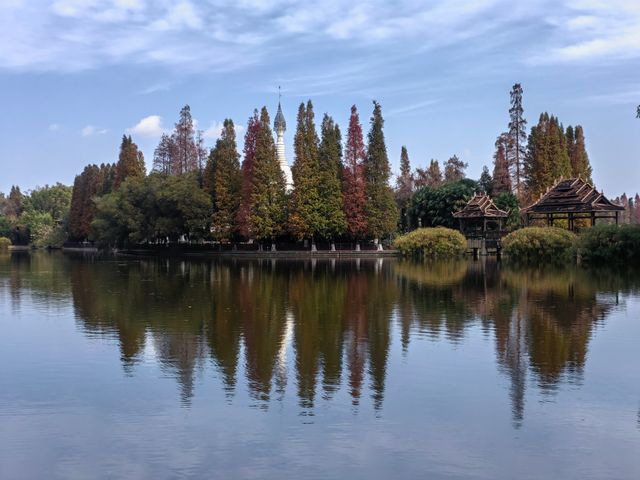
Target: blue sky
77,74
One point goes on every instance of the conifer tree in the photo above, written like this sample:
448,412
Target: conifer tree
185,152
243,224
404,182
454,169
381,209
268,198
334,222
209,174
486,181
305,217
162,155
226,182
501,177
354,186
518,136
431,177
404,187
130,162
547,159
576,149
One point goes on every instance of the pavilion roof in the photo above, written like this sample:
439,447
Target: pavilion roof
480,206
573,195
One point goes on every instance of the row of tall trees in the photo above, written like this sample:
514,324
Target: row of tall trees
337,192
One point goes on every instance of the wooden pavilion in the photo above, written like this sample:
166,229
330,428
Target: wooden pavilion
571,199
481,218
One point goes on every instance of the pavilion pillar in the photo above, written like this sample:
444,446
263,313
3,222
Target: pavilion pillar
617,218
593,219
571,222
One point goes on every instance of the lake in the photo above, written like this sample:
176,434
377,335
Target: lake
350,369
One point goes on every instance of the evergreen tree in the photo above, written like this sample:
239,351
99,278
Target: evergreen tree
637,212
381,209
404,182
201,151
431,177
209,174
518,136
547,159
268,198
334,222
243,224
91,184
501,177
305,217
454,169
226,182
163,154
130,162
185,153
576,149
404,188
486,182
354,186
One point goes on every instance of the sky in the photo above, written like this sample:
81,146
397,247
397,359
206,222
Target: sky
75,75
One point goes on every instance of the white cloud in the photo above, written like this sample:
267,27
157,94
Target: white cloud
90,130
54,127
150,126
215,129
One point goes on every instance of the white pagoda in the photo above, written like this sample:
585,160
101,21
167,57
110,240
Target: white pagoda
280,126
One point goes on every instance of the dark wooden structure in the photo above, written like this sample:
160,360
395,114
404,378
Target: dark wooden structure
480,218
571,199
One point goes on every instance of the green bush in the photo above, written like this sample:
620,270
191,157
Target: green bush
610,244
4,243
540,244
439,242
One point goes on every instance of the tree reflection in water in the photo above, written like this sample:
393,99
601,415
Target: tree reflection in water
325,323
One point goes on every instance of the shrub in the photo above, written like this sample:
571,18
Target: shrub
610,244
439,242
4,243
540,244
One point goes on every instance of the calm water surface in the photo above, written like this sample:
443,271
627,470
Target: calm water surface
154,368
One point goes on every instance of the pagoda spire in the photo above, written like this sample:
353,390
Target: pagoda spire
280,126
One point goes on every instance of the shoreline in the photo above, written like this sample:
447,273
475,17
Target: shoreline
306,254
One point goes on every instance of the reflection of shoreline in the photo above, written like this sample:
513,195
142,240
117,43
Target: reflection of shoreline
322,325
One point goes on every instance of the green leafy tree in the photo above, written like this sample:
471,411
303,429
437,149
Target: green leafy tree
577,151
305,217
547,159
508,202
93,182
434,207
381,210
227,183
268,197
333,219
130,162
243,219
54,200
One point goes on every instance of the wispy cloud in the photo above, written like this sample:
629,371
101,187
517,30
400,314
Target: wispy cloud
90,130
71,35
54,127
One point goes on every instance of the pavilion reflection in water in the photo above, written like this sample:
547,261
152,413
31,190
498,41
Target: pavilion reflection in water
321,326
